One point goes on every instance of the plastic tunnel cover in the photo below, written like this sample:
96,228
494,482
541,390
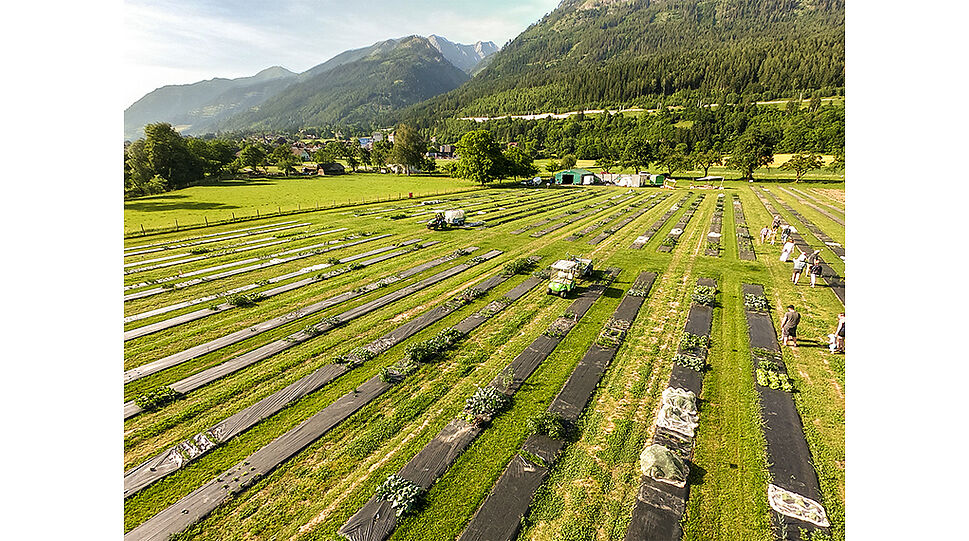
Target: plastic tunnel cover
660,464
794,505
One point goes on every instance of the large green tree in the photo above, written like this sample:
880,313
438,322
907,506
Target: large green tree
754,149
252,155
409,148
802,163
169,157
284,158
481,159
518,160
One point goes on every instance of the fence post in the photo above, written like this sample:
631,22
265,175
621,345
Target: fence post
142,229
206,221
176,224
257,213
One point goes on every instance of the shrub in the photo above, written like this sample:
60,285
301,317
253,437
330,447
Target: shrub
549,424
243,300
200,250
398,216
331,320
484,403
424,351
402,494
518,266
669,241
157,398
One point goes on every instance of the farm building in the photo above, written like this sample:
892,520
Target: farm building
331,168
576,176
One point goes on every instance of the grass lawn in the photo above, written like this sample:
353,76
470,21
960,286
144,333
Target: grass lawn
220,200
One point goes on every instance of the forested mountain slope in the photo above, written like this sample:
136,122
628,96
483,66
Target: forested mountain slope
357,92
594,53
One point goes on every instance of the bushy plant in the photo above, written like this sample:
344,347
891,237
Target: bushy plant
243,300
690,341
402,494
518,266
549,424
425,350
398,216
705,295
200,250
484,403
690,361
157,398
756,303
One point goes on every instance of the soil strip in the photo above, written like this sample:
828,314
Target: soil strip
672,239
745,244
222,307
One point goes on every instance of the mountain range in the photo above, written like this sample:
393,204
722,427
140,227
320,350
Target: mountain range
353,86
584,54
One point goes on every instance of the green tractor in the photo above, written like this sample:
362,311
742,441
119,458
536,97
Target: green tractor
565,275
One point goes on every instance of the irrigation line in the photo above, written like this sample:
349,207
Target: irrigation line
218,239
259,266
659,505
788,455
377,520
273,241
235,364
198,314
500,515
201,502
210,235
176,457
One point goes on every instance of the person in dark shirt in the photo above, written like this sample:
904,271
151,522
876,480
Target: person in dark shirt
789,325
815,271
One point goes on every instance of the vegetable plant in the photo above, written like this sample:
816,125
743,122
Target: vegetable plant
402,494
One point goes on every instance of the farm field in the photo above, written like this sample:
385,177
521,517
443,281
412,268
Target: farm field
220,200
277,372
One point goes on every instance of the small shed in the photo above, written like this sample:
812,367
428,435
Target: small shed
654,180
576,176
330,168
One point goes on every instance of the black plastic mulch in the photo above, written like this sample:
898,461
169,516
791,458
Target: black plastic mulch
788,456
235,364
659,506
835,247
499,516
375,520
745,245
684,219
834,281
208,497
638,244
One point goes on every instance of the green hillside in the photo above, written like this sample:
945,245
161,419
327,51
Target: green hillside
594,53
359,91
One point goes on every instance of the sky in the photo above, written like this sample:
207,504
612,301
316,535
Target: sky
186,41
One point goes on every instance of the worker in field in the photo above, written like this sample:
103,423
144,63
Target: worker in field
789,326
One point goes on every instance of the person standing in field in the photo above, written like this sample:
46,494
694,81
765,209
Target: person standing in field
786,252
815,270
785,233
815,257
799,264
764,233
773,228
789,325
839,335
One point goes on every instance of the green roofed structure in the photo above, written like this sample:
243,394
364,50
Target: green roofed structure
576,176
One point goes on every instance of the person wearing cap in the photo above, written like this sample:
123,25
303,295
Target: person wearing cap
789,325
